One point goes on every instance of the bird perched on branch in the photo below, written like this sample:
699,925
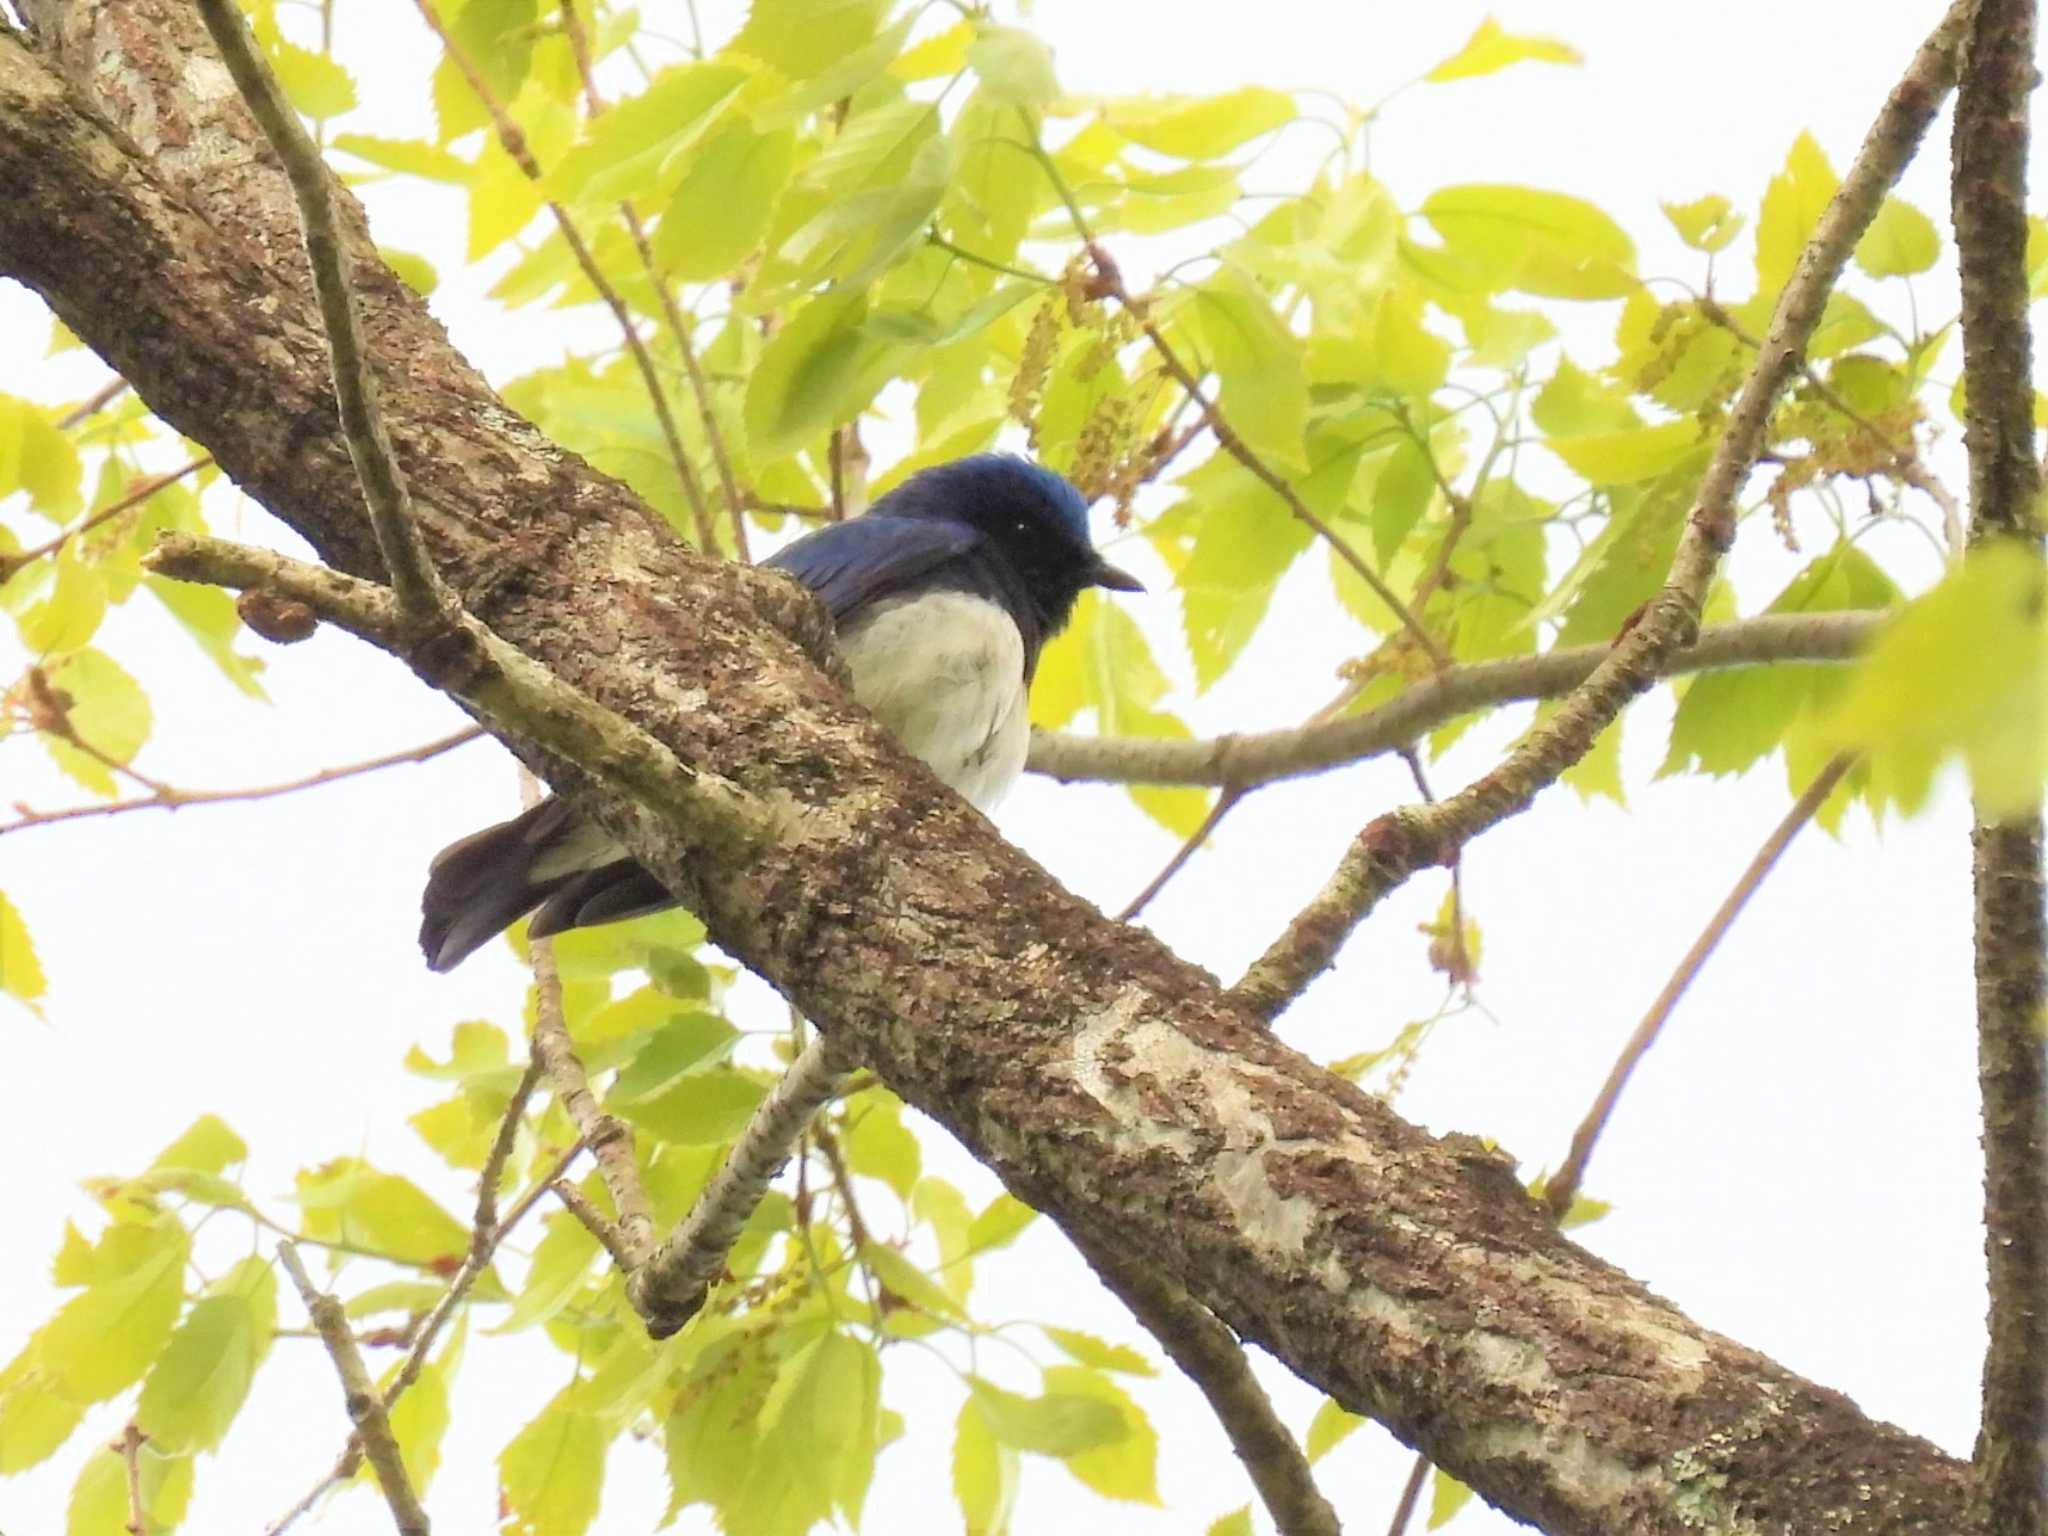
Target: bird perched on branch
943,595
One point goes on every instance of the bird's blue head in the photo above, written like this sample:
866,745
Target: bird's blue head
1031,514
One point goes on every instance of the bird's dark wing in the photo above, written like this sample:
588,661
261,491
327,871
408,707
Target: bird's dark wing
852,563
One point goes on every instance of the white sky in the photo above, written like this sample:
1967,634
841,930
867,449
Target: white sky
1795,1166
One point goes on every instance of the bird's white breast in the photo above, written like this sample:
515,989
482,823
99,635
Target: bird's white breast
944,673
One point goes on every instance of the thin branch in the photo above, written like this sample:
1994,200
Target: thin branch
513,141
1112,283
520,698
1562,1187
610,1236
365,1404
669,1290
1989,186
424,603
609,1138
1225,803
1209,1354
1396,845
93,403
9,564
170,797
1246,761
842,1182
1411,1495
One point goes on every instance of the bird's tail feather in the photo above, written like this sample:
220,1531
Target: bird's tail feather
478,887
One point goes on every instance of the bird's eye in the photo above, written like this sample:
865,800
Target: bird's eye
1020,526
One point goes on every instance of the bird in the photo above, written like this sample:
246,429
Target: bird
942,596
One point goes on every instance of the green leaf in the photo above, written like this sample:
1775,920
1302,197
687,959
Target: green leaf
420,1419
985,1472
496,37
684,1043
37,458
634,148
1446,1497
35,1418
823,1419
1490,48
199,1383
999,1223
1963,669
105,1337
1792,206
696,1110
208,1145
725,203
1635,453
1706,223
1200,127
1541,242
1123,1468
552,1472
1237,1523
314,82
108,710
1086,1349
208,615
1245,539
1063,1424
802,38
1014,65
1332,1425
410,157
560,1261
346,1200
910,1285
1900,242
21,973
70,615
878,1144
818,370
1260,365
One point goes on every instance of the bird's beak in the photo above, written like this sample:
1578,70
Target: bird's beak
1103,574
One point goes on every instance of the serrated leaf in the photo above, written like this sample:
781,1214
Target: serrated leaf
21,973
346,1200
496,37
1099,1354
208,1145
985,1472
411,157
1015,66
1245,539
108,710
207,614
199,1383
37,458
725,202
698,1109
818,370
1541,242
100,1500
1259,365
628,150
420,1419
1792,206
1125,1467
1635,453
315,83
69,615
1900,241
35,1418
1200,127
1332,1425
1706,223
1446,1497
1490,48
999,1223
105,1337
878,1144
551,1473
1062,1424
561,1260
802,38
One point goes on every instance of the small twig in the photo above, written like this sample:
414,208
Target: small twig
1457,958
609,1138
1562,1187
170,798
424,603
842,1182
128,1446
669,1290
1256,758
93,403
365,1403
513,140
9,564
1392,847
1411,1495
1215,1362
608,1233
1225,803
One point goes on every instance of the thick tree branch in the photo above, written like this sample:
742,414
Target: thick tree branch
2011,929
1264,757
1396,845
1109,1083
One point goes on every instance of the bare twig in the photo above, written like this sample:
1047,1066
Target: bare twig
170,798
513,141
365,1403
1215,1362
424,603
1989,185
669,1290
1562,1187
1225,802
93,403
610,1236
1394,846
1264,757
9,564
1411,1495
